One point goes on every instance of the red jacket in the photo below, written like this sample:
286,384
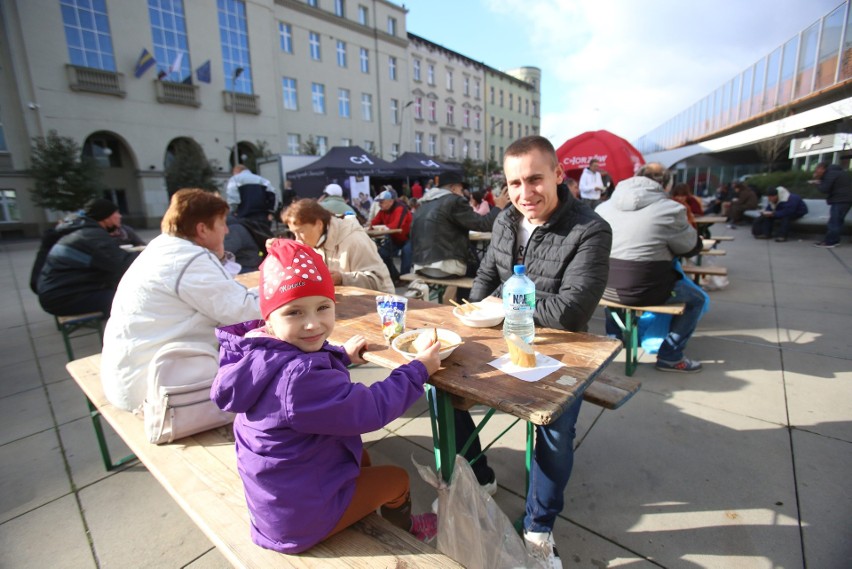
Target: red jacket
416,190
397,217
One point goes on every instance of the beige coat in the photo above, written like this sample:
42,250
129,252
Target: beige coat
348,249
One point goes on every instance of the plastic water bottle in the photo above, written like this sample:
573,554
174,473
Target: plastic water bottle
519,305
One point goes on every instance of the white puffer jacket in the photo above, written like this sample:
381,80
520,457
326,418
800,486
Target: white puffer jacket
175,291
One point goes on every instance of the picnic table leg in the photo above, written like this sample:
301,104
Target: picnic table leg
443,421
629,337
102,443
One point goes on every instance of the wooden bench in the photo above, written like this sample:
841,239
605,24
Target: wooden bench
630,326
200,473
438,287
611,392
68,326
723,237
698,271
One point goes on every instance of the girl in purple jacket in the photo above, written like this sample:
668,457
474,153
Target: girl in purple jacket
299,417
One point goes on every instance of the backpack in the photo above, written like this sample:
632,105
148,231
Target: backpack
259,231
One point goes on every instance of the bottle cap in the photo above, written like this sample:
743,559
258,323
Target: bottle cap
519,269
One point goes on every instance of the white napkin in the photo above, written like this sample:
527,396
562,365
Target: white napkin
544,366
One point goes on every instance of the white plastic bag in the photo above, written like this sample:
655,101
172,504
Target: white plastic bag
713,282
472,529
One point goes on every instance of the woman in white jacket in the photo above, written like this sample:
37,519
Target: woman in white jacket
350,254
176,291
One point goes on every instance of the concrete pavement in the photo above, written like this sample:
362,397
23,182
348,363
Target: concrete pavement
745,465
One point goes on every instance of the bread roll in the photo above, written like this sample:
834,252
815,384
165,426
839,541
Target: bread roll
424,340
521,353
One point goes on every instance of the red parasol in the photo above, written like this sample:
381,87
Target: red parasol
614,154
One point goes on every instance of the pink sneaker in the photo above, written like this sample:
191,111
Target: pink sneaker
424,527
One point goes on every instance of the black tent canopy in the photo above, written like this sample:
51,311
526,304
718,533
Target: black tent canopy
419,165
335,167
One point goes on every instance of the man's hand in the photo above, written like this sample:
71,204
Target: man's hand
354,347
502,200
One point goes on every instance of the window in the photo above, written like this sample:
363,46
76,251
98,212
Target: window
430,74
476,89
294,143
465,148
526,106
492,125
449,80
491,92
345,142
466,118
477,121
392,67
433,111
314,3
291,98
318,97
341,53
285,34
476,150
168,29
322,145
418,108
511,102
501,97
466,85
362,15
418,142
451,146
511,130
314,41
9,206
394,111
535,108
492,152
369,146
417,70
365,60
394,150
3,147
340,8
233,33
87,34
367,106
432,144
391,26
502,124
343,103
450,115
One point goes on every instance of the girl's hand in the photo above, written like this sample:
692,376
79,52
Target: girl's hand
430,357
355,346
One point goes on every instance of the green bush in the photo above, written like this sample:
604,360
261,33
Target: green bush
64,180
793,180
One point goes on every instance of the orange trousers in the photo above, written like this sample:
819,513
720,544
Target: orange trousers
377,486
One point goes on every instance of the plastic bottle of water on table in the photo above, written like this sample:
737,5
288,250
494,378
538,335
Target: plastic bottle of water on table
519,305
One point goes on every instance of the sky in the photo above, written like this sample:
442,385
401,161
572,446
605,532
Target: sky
625,66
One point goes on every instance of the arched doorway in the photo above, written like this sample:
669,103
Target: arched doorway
118,173
248,154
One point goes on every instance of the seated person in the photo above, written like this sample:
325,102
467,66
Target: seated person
246,239
251,196
648,232
177,291
783,207
126,235
744,199
440,232
332,200
721,200
680,194
478,203
299,419
344,245
394,214
80,264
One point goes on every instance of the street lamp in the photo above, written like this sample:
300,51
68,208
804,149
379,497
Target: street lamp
401,124
237,72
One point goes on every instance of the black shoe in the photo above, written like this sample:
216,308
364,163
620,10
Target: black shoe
780,239
824,245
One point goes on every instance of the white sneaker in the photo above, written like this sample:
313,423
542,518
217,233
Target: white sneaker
490,489
542,547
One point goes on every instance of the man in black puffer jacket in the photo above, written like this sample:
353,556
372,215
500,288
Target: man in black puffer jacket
833,180
82,269
565,247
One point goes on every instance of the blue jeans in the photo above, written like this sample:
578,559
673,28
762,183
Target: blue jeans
684,325
388,250
837,213
553,460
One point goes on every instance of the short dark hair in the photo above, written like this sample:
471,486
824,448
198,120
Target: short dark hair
527,144
189,207
592,162
772,192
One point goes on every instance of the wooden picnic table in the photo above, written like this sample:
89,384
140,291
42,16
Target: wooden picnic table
376,233
710,219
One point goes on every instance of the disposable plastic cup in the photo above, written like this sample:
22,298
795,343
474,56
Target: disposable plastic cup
391,309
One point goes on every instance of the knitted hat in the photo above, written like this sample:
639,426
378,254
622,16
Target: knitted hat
291,271
100,209
450,178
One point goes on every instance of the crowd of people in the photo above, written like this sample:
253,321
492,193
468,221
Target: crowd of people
580,240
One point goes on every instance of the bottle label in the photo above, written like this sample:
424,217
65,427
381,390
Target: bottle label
522,301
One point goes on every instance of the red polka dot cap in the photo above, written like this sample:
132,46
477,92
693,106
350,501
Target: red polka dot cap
290,271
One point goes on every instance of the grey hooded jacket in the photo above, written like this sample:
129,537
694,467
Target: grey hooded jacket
648,231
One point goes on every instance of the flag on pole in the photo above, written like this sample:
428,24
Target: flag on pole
144,63
175,68
203,72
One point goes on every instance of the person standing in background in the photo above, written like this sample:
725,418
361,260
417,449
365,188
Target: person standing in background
591,184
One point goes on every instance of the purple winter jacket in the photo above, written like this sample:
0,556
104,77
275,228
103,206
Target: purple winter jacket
297,430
